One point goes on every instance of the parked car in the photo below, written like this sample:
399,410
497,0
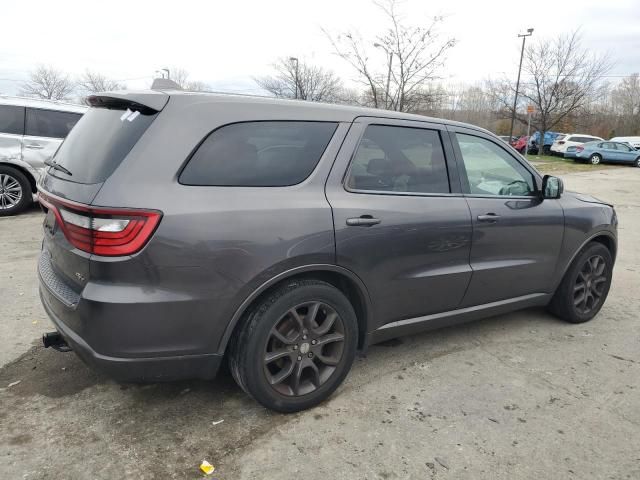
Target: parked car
633,141
507,139
30,133
600,152
549,138
283,236
521,143
562,142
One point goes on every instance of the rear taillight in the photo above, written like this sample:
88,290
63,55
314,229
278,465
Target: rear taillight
579,149
108,232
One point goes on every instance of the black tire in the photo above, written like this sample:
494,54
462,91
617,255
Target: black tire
14,175
595,159
249,348
563,303
637,162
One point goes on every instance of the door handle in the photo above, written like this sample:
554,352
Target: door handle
489,218
34,146
363,221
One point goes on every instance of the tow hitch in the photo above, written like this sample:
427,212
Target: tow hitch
55,341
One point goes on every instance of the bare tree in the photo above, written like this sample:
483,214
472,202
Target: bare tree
562,77
92,82
181,77
626,98
48,83
414,54
296,78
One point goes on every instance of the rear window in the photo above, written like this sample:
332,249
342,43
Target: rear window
50,123
99,143
258,154
11,119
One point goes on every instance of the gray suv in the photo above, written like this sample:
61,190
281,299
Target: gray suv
31,130
184,230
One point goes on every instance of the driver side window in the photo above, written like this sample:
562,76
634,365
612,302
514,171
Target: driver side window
491,170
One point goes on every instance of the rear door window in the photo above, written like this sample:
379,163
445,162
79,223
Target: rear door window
399,159
50,123
259,154
99,142
12,119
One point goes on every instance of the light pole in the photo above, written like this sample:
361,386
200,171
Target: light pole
515,100
294,59
386,93
166,70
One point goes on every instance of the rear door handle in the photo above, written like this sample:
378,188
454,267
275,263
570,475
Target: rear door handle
34,146
363,221
489,218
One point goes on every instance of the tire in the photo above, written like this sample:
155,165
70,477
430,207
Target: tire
637,162
565,302
15,191
595,159
259,356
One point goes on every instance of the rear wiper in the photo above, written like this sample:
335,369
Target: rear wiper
55,166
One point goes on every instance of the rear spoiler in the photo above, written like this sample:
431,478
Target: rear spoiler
147,101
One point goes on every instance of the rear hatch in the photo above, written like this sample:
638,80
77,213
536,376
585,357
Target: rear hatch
73,228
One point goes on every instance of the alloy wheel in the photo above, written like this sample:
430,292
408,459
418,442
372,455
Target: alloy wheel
304,348
10,191
595,159
590,284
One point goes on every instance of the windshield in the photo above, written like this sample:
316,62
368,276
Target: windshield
99,142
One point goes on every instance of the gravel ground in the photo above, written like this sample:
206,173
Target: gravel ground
511,397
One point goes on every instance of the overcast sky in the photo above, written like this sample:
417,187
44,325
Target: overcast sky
226,43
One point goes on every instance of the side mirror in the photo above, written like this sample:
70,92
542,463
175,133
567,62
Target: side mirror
552,187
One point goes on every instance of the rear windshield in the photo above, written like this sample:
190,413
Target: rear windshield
99,142
258,154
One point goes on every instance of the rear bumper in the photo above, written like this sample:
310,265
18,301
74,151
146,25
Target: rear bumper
125,368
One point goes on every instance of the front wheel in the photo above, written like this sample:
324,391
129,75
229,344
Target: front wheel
295,346
585,285
637,162
595,159
15,191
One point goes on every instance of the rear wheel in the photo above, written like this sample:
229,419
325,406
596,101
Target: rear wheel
15,191
296,346
637,162
595,159
585,286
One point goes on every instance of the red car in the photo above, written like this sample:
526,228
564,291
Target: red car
520,144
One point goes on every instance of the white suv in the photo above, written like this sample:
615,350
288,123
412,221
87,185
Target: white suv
562,142
30,133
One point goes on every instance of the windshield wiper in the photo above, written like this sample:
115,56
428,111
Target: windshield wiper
55,166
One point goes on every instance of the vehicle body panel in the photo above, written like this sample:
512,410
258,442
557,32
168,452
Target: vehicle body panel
516,254
416,261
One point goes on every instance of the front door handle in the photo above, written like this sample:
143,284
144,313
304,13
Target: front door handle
489,218
363,221
34,146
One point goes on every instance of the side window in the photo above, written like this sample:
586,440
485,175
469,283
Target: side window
399,159
12,119
621,147
50,123
491,170
258,154
608,145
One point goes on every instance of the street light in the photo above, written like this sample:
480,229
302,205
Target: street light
166,70
294,59
515,100
386,93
